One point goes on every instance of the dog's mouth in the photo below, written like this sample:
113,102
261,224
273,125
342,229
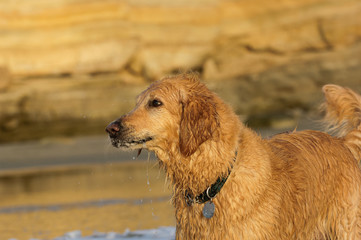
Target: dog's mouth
130,143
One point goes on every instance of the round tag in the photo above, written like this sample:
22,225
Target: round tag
208,209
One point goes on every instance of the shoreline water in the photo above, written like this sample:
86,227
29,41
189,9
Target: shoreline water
160,233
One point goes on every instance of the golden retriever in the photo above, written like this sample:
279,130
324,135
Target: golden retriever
229,183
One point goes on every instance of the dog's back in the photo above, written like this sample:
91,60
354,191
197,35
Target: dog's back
323,170
321,185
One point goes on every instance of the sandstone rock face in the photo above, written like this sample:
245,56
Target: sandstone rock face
5,79
66,61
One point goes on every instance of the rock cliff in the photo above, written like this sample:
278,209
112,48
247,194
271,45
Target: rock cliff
73,65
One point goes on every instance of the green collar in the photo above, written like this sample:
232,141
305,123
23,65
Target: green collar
210,192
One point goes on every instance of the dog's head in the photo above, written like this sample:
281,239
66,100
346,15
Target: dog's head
175,111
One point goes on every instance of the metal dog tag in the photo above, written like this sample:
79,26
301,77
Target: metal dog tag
208,209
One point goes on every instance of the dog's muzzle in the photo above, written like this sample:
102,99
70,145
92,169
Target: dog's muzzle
121,136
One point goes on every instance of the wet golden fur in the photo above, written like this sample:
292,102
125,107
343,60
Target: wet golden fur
299,185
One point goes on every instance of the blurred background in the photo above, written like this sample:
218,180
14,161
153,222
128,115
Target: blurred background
69,67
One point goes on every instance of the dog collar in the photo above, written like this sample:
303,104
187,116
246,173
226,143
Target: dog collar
210,192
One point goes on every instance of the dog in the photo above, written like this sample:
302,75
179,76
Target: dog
229,183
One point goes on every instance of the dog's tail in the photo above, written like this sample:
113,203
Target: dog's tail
343,115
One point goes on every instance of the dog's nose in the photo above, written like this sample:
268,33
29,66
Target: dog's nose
113,128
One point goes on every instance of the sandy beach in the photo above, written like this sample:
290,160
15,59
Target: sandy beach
49,188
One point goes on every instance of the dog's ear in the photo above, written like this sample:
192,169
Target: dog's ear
199,121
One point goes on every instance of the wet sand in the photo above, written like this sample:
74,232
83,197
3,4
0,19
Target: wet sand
44,204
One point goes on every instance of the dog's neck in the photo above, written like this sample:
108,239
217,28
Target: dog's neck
212,160
195,174
211,191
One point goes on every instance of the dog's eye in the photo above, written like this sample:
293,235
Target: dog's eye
155,103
